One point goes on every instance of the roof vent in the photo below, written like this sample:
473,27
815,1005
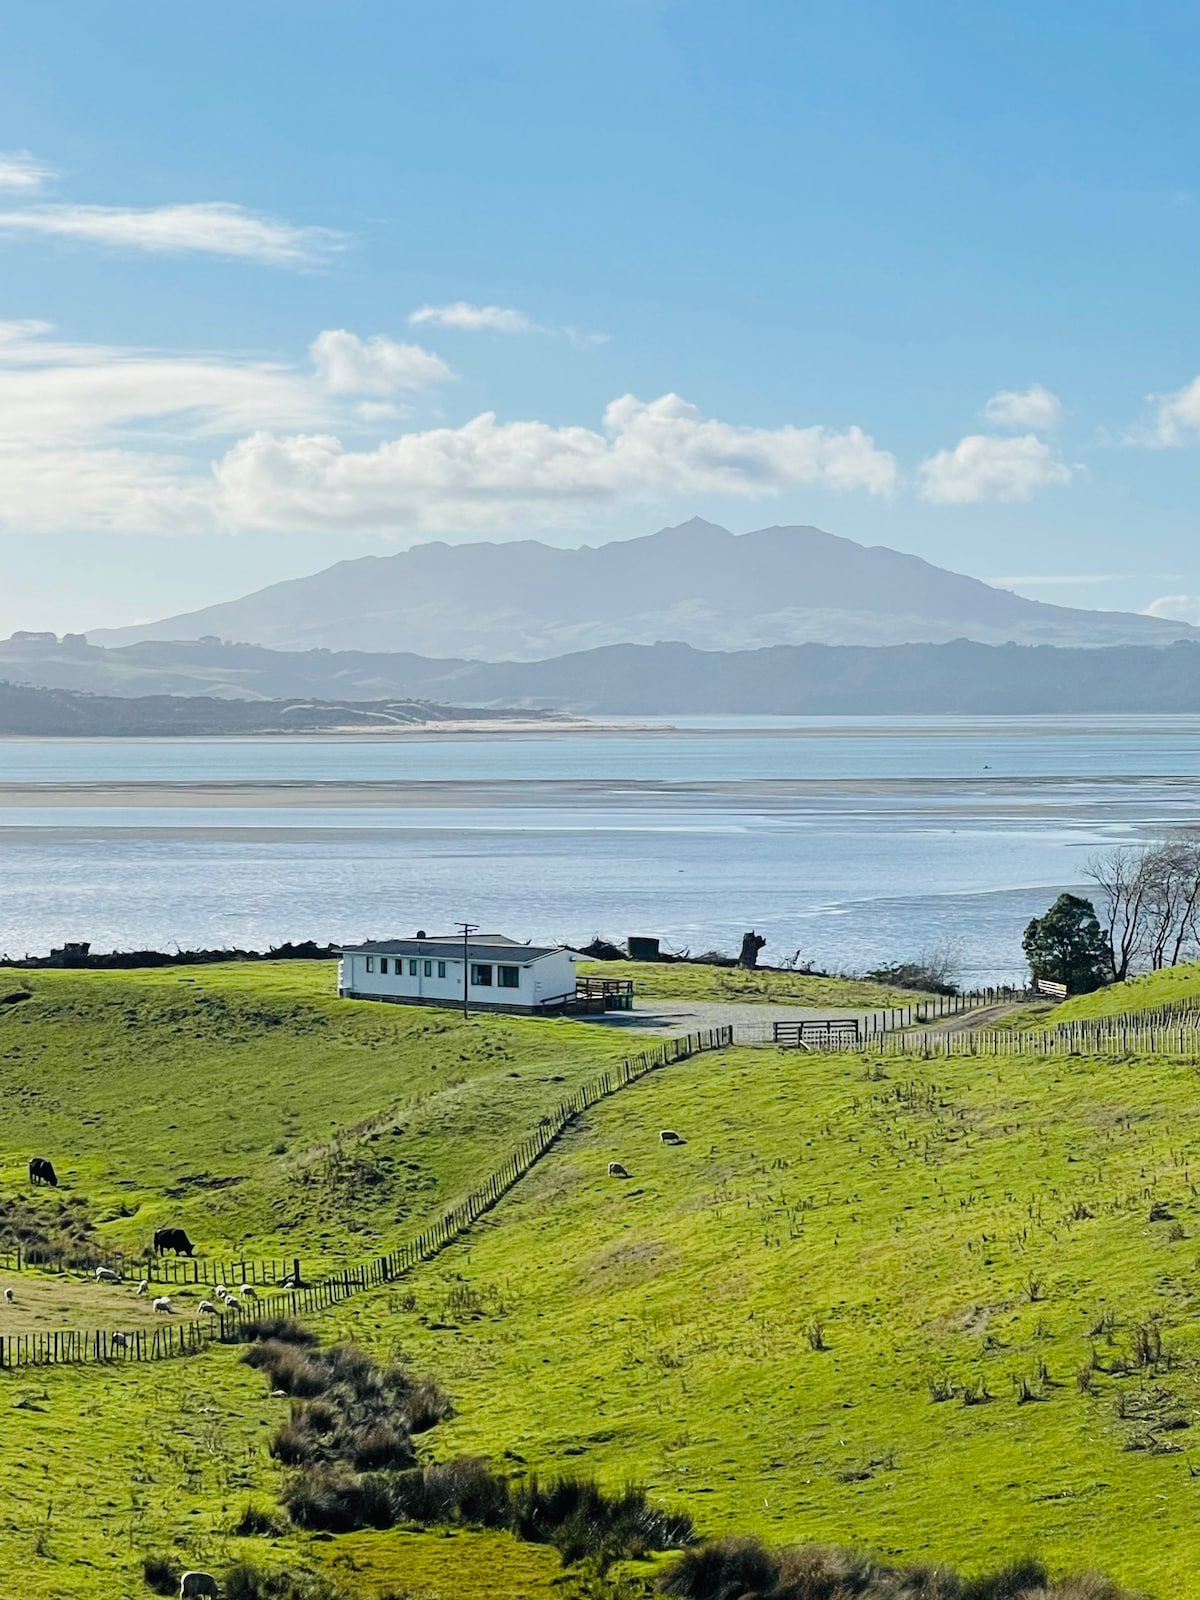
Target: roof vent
420,933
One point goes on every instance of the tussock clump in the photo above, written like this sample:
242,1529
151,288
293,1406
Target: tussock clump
161,1574
254,1522
730,1569
280,1330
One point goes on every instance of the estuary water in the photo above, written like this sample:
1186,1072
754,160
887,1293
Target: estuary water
855,841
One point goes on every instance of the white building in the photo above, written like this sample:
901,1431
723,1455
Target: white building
502,974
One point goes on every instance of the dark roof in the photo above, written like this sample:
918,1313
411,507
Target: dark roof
517,955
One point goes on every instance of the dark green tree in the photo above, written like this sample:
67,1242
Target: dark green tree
1068,946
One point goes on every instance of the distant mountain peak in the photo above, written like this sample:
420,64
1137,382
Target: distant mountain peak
693,583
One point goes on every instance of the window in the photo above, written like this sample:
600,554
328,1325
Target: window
481,974
509,977
412,969
370,963
441,969
383,965
429,969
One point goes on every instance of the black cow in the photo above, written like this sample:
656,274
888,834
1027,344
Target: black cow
173,1239
42,1171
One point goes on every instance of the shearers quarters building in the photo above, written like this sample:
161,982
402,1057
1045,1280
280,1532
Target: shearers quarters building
502,974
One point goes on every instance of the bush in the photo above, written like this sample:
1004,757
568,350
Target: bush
161,1575
332,1500
724,1570
255,1522
282,1330
729,1569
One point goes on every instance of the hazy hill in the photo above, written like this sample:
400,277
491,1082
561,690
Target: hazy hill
697,584
644,680
26,711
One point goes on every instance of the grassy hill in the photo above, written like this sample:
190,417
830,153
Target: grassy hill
903,1310
696,980
249,1105
920,1307
1170,987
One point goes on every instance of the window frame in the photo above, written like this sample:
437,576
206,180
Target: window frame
508,977
441,969
370,963
478,968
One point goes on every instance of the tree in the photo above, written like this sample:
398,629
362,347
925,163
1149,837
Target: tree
1068,946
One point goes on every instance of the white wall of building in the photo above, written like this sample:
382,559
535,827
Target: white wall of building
439,978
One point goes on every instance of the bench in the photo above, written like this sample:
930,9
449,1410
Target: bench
831,1033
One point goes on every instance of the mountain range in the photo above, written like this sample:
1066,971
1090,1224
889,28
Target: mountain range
961,677
695,584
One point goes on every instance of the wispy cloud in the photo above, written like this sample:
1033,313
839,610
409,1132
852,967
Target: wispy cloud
375,366
1176,607
982,467
1036,580
23,172
210,228
1174,419
468,318
1034,408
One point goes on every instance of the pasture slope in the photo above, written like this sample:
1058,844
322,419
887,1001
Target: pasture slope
777,1324
694,980
1173,986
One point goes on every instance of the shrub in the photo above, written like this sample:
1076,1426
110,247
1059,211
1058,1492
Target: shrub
161,1575
332,1500
724,1570
255,1522
289,1367
281,1330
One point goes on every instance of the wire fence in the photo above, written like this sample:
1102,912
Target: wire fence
222,1324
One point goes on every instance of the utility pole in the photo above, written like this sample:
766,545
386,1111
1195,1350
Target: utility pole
468,928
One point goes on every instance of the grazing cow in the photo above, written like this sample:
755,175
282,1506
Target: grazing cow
119,1341
107,1275
193,1584
616,1170
163,1303
208,1307
42,1171
9,1296
173,1239
143,1286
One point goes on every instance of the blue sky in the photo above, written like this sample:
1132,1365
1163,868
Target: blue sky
291,282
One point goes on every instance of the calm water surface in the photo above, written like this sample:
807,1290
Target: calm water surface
856,841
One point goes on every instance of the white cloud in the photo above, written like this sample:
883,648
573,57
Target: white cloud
347,364
1176,607
1034,408
485,472
205,228
981,467
468,318
1175,419
95,436
474,319
23,172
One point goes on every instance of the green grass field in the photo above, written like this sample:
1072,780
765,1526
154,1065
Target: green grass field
1172,986
250,1106
756,1324
696,981
953,1228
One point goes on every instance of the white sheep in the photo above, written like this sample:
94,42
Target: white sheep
107,1275
9,1296
193,1584
119,1341
143,1286
232,1303
208,1307
247,1292
163,1303
220,1292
